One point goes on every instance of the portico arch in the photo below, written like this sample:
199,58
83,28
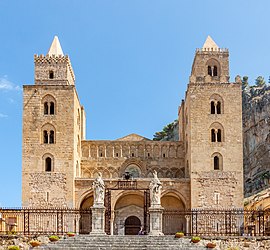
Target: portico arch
173,219
129,204
85,223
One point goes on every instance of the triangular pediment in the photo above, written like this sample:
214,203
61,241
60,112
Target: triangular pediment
132,137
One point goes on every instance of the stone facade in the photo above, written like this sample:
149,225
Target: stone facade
60,165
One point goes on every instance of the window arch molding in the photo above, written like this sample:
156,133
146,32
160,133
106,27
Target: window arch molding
213,68
217,161
48,134
49,105
216,104
217,132
131,165
48,162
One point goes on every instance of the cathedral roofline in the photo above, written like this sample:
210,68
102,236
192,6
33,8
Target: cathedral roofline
132,137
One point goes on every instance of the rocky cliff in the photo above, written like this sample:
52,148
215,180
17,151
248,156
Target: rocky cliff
256,136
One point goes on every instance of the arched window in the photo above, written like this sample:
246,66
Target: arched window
213,107
209,71
45,136
218,107
51,108
48,105
213,67
215,71
216,104
213,135
51,74
51,137
217,161
219,135
46,108
48,133
217,132
133,170
48,164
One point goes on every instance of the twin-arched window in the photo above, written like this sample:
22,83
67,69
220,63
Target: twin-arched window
216,104
216,135
212,71
215,107
48,134
48,137
213,67
49,106
217,132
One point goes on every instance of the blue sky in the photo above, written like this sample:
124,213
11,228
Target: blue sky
132,60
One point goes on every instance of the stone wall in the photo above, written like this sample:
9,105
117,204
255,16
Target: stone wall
65,150
113,158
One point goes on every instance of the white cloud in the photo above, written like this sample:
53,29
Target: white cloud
7,85
3,115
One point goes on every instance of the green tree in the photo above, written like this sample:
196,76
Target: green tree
245,82
166,133
259,81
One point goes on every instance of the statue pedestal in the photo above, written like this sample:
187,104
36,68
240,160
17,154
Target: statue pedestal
98,220
155,212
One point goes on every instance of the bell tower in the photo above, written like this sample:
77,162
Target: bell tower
211,120
53,127
54,68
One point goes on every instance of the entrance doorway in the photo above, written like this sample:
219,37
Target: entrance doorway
132,225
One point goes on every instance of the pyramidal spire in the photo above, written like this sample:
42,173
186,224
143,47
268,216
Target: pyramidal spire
210,44
55,48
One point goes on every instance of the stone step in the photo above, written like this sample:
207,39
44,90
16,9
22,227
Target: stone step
123,243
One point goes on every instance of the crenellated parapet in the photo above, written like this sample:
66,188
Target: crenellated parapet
54,68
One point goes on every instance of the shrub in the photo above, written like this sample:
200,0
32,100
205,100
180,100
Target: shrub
179,234
54,238
34,243
13,247
195,239
70,234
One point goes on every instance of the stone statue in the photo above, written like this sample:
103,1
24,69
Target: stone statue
155,190
99,190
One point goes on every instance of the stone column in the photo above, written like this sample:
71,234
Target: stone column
155,210
98,209
187,224
111,222
98,220
156,220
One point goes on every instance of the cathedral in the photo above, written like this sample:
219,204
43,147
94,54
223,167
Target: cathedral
203,170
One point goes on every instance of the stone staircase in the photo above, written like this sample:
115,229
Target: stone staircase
124,243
